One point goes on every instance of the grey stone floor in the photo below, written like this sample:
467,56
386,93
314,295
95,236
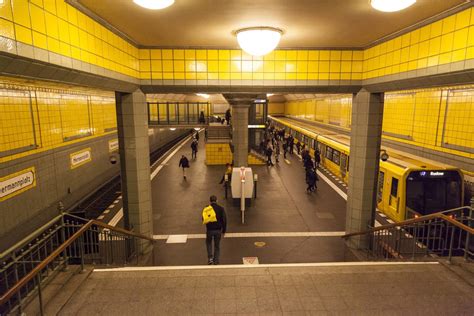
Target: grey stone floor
336,290
282,206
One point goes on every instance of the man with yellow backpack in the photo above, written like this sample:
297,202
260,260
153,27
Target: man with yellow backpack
213,216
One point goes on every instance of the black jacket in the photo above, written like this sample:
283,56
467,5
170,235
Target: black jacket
221,223
184,162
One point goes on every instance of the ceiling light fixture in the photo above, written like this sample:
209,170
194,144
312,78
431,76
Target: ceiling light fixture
203,95
258,41
154,4
391,5
270,94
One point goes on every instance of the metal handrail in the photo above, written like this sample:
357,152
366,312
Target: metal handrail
419,219
60,250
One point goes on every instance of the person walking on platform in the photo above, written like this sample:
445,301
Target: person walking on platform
202,120
277,151
285,149
184,163
194,148
291,142
228,116
196,136
214,217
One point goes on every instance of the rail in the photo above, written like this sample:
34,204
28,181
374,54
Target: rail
447,233
67,240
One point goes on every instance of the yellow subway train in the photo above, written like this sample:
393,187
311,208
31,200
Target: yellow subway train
408,185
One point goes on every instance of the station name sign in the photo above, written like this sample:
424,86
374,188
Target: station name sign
113,145
17,183
81,157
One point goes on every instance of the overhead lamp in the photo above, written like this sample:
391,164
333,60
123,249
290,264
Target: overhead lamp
203,95
391,5
270,94
154,4
258,41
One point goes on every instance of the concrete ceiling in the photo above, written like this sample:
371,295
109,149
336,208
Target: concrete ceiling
230,98
306,23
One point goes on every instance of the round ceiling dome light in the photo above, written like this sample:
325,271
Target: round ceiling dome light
258,41
391,5
154,4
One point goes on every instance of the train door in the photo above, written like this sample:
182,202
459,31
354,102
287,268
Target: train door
394,199
380,186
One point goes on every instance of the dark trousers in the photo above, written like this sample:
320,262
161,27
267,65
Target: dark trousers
216,236
194,154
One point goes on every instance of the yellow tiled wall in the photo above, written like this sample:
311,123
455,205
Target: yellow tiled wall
58,27
254,160
334,110
212,64
39,117
448,40
218,154
276,108
440,119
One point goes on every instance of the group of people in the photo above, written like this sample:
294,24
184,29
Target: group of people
271,142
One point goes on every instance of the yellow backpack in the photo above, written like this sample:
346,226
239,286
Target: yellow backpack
208,215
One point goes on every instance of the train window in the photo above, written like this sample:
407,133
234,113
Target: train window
380,186
394,189
336,156
328,152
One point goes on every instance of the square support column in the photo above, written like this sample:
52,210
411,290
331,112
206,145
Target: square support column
240,134
366,132
132,122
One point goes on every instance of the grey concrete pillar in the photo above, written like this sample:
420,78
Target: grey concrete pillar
366,132
240,134
132,122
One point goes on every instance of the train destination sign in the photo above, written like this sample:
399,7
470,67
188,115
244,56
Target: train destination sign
81,157
17,183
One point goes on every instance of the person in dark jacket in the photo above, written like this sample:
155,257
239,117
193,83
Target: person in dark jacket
194,149
317,157
214,231
228,116
184,163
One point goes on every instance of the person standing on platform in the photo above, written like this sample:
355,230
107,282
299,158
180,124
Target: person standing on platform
317,158
194,148
184,163
269,152
228,116
196,135
202,120
277,151
214,217
298,147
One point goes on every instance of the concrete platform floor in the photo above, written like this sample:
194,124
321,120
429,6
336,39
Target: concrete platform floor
282,206
354,289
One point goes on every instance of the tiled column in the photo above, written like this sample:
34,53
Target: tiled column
132,122
240,134
366,131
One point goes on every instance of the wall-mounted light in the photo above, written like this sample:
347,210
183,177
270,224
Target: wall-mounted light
258,41
153,4
270,94
203,95
391,5
172,128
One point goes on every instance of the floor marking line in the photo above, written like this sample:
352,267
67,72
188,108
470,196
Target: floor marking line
268,265
332,185
261,234
114,221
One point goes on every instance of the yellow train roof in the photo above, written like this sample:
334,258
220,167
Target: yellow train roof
399,158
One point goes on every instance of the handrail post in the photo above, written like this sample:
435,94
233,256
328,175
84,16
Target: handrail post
40,296
63,235
81,249
18,294
451,243
468,235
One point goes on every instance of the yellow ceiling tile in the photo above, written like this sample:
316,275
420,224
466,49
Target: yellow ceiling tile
20,12
39,40
166,54
37,19
224,54
460,38
189,54
324,55
236,54
313,55
212,54
6,29
449,24
463,19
